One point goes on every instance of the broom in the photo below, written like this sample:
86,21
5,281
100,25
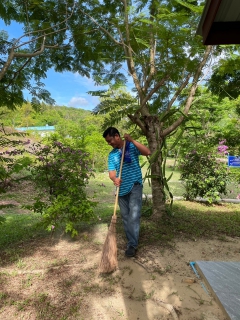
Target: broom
109,261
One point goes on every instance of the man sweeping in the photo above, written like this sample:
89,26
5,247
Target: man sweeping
130,184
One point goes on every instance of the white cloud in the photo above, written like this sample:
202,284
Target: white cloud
78,102
84,82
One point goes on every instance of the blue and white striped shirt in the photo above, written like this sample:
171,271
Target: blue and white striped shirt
131,172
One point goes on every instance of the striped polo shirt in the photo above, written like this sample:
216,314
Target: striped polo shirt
131,172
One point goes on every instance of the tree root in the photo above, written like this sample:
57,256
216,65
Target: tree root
167,306
161,303
142,265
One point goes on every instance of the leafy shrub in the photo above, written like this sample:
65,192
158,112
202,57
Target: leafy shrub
12,160
234,174
10,168
203,176
61,174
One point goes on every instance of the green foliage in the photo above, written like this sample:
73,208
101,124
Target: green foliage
11,166
234,174
77,128
61,174
98,150
225,80
25,116
21,73
2,219
85,132
229,127
47,41
190,6
12,160
115,104
208,122
203,176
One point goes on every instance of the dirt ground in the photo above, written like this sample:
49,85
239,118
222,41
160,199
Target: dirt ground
59,279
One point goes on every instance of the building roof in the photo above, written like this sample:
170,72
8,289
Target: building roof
220,22
42,128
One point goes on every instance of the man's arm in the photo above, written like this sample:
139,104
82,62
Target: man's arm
112,176
143,149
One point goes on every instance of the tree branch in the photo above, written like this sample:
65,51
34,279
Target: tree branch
156,87
183,85
102,28
31,33
135,119
17,73
32,54
131,65
14,54
192,92
151,55
7,63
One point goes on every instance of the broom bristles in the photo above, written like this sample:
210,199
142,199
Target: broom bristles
109,261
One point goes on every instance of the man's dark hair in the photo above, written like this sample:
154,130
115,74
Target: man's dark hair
111,131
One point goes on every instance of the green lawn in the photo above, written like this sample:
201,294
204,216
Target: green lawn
175,184
188,219
19,227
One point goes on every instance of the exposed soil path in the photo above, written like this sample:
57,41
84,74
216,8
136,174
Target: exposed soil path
59,279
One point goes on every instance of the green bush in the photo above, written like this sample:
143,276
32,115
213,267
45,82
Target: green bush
203,176
10,169
12,158
61,174
234,174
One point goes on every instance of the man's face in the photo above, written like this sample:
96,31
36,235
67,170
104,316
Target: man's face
113,141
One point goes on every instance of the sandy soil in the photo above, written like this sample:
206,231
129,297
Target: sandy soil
59,279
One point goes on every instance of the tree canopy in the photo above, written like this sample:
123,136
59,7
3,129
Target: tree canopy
225,79
47,42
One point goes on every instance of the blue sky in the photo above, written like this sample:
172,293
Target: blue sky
70,89
67,89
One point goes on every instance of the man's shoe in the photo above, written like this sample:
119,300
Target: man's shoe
130,252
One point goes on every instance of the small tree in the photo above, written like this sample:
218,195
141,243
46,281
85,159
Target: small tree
11,160
156,43
203,176
61,174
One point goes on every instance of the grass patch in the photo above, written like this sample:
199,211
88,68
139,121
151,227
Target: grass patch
19,228
192,220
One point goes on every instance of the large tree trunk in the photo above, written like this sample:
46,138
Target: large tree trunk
155,145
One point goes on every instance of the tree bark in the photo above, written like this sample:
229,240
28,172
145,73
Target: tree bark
155,143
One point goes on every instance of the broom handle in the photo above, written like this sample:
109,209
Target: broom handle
120,174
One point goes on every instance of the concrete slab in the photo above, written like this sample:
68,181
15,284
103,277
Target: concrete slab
223,281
